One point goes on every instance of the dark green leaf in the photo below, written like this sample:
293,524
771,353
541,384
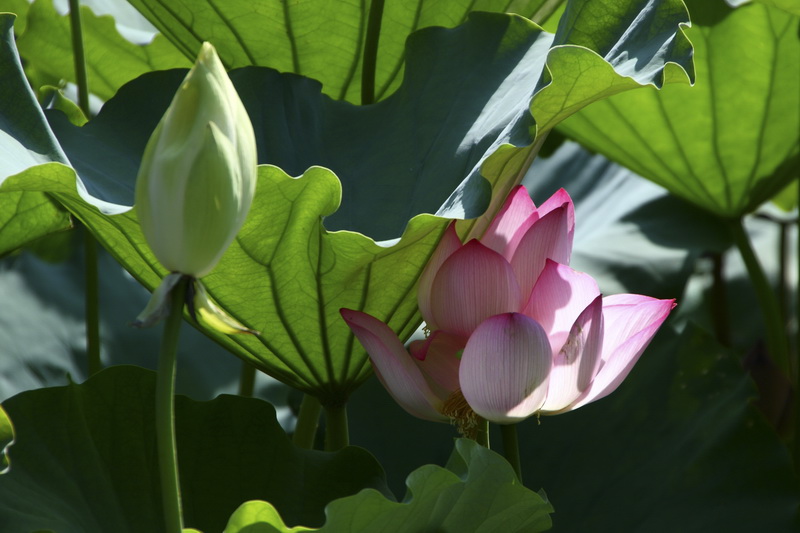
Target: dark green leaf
84,460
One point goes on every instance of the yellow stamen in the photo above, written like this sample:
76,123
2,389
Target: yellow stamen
461,414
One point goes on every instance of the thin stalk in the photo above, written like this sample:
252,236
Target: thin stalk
305,431
797,357
92,303
165,411
482,432
370,61
337,434
511,447
90,245
777,343
79,57
719,301
247,379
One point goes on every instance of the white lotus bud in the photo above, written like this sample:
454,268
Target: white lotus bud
198,174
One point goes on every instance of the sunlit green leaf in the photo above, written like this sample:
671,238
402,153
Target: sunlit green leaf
466,92
24,215
84,459
318,39
729,143
111,60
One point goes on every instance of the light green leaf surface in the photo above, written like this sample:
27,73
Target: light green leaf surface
456,106
24,215
259,517
84,460
111,60
318,39
477,492
732,141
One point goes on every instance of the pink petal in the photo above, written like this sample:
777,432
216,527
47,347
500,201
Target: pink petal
394,366
516,216
505,368
558,299
547,238
631,322
449,244
473,284
575,365
438,357
559,198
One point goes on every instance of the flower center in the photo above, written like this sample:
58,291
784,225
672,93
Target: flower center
461,414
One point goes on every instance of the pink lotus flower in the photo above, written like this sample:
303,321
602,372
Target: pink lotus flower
514,331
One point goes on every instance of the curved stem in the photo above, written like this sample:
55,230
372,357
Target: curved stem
482,432
165,410
511,447
92,302
247,379
336,431
777,343
305,431
370,62
79,57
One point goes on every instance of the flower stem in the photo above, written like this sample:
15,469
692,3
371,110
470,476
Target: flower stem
336,431
79,57
482,432
165,410
511,447
247,380
370,62
92,303
305,431
777,343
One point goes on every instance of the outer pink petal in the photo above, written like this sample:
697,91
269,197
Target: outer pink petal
547,238
516,216
631,322
557,300
505,368
559,198
439,357
447,246
393,365
575,365
473,284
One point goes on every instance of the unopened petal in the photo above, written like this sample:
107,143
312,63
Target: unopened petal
577,362
439,357
547,238
560,198
512,221
505,368
558,299
631,322
473,284
394,366
447,246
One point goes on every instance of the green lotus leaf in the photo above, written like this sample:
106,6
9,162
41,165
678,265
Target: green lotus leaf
732,141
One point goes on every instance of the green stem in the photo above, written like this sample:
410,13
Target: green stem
511,447
81,79
247,380
305,431
719,301
777,343
370,62
165,410
92,302
482,432
336,431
